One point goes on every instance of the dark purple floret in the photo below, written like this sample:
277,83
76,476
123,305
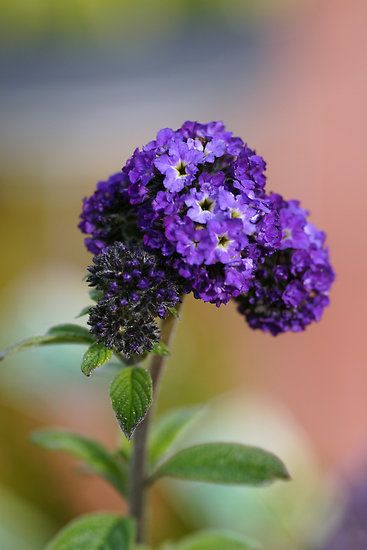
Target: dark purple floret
107,215
291,286
136,288
120,328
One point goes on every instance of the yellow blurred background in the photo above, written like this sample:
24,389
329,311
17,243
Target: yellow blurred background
82,84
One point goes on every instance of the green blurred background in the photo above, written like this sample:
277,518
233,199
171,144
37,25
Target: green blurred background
83,83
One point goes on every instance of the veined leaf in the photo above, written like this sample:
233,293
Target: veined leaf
131,395
226,463
95,356
60,334
215,540
168,429
95,532
99,460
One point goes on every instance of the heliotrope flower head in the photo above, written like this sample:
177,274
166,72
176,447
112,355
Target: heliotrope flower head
200,200
194,201
291,286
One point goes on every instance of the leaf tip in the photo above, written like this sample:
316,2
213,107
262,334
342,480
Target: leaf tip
282,473
129,432
286,476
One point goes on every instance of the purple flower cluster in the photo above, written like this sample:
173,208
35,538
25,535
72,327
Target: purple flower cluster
107,215
195,197
200,200
135,290
291,286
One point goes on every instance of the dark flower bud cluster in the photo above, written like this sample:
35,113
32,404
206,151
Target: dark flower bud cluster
290,287
136,289
121,329
194,200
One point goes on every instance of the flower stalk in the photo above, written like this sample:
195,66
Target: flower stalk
139,463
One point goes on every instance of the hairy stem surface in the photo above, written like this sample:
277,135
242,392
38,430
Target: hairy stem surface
138,473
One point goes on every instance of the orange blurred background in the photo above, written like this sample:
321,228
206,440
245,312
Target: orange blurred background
82,86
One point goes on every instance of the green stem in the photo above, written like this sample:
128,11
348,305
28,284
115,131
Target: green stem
139,466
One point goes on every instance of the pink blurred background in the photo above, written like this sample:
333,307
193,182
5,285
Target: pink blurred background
77,97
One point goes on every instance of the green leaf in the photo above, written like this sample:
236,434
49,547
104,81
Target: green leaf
60,334
131,394
84,311
98,459
160,349
216,540
227,463
168,429
95,356
72,331
95,294
95,532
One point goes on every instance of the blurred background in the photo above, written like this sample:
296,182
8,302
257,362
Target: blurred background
82,84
